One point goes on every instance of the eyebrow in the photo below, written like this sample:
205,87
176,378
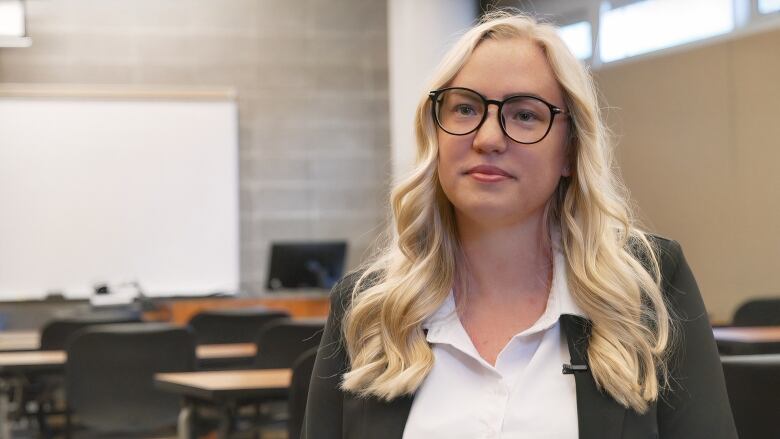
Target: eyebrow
524,93
508,95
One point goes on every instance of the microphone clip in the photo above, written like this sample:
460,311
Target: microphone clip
569,369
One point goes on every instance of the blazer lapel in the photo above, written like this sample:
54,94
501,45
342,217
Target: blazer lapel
599,416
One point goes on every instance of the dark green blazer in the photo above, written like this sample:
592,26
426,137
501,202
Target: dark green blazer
695,406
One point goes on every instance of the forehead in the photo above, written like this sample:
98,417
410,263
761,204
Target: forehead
499,68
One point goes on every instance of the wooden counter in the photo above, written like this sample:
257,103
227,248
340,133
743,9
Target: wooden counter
179,311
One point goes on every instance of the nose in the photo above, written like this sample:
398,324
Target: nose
490,136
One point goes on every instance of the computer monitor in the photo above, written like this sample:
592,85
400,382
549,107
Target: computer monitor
306,265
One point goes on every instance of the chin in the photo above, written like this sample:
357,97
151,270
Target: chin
487,213
496,212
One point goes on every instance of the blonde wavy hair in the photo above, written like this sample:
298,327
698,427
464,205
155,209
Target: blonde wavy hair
613,271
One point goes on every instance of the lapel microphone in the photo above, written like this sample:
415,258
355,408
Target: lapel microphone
569,369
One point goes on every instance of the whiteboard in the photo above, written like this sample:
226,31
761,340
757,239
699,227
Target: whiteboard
118,190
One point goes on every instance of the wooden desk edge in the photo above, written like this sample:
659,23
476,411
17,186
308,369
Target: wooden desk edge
748,334
227,350
186,384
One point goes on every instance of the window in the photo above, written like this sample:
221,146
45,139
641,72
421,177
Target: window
11,18
768,6
650,25
578,37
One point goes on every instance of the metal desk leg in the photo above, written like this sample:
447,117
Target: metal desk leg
223,429
184,428
227,422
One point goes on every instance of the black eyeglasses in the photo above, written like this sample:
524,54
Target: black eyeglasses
460,111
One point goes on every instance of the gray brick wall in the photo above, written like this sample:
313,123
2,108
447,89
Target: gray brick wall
312,84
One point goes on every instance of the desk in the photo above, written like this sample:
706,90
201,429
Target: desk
19,340
20,364
735,340
229,350
752,334
29,361
224,389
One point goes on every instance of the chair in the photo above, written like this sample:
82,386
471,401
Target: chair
753,384
231,326
299,391
241,325
109,376
280,343
758,312
55,333
44,388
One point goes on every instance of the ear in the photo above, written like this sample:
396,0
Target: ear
566,170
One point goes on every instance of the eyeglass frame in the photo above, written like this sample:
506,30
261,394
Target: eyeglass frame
554,110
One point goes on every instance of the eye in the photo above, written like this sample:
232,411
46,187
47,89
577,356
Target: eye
465,110
525,116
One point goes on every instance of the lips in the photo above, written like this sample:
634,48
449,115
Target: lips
488,173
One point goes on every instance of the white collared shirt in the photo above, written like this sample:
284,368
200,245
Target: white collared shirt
525,395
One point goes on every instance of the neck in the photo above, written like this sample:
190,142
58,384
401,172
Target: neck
504,261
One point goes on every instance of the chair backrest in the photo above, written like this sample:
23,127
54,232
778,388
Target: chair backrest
299,391
758,312
753,384
241,325
109,375
281,342
56,333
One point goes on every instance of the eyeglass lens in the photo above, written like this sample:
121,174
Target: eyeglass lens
525,119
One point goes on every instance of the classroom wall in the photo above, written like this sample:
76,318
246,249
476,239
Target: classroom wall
311,78
697,141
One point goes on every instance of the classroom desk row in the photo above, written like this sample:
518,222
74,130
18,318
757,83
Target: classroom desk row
222,389
219,386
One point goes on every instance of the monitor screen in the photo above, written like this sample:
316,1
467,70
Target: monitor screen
306,265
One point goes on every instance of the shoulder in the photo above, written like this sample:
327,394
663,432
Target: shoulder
668,252
343,292
678,283
662,242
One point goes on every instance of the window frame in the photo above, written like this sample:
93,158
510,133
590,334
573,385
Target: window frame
747,19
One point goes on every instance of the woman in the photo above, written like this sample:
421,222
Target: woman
517,297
